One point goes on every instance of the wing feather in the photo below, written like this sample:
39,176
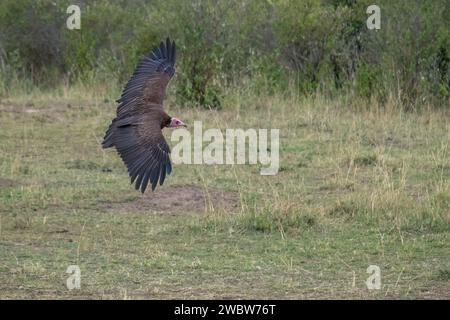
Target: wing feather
147,85
144,151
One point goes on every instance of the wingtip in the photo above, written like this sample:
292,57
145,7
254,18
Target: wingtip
165,50
144,187
168,168
170,46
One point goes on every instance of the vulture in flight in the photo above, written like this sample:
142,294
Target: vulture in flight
136,132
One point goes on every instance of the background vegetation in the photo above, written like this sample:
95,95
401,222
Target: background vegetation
270,46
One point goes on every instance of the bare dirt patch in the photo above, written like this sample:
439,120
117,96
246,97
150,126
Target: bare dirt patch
435,291
183,199
7,183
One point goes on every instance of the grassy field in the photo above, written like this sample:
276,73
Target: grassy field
355,188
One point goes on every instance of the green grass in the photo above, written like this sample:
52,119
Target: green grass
355,188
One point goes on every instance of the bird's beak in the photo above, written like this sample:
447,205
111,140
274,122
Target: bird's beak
176,123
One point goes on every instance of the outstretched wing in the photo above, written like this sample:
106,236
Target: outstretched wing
147,85
144,150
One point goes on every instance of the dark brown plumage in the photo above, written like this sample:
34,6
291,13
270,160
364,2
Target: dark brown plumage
136,130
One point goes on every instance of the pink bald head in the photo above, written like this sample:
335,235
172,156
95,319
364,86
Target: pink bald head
176,123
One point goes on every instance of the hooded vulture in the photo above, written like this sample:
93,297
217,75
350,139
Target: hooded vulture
136,132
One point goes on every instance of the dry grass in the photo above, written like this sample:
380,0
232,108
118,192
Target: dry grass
357,186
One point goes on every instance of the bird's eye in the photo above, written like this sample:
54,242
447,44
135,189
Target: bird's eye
178,122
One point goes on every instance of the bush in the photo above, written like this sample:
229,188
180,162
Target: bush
265,46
